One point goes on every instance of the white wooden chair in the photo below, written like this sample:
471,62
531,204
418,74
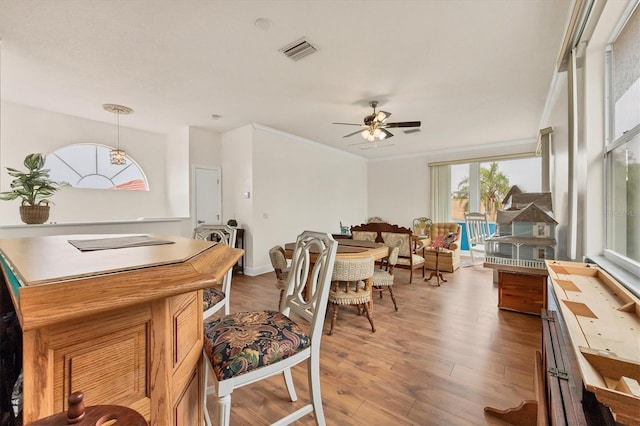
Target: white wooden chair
477,232
215,298
280,343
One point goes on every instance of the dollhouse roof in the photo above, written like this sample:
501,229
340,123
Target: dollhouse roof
540,199
529,213
516,199
515,189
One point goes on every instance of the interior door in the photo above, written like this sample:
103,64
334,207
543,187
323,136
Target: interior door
207,195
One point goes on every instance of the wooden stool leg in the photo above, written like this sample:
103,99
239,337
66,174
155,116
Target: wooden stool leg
335,317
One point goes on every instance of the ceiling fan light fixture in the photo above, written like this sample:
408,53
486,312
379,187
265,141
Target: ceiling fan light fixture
375,125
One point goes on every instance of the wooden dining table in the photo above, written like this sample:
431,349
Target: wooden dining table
352,249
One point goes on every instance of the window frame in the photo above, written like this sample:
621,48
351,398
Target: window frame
611,144
474,186
99,159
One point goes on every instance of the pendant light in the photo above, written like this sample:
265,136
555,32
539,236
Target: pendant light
118,156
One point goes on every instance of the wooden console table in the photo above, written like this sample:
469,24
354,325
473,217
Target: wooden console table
123,325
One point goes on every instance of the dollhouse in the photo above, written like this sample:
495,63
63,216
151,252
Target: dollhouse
525,234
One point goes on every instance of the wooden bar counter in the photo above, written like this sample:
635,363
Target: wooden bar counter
123,325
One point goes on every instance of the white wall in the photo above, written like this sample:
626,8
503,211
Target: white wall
177,176
25,130
295,185
237,176
205,147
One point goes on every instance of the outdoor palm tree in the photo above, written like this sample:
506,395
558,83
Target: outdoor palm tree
494,185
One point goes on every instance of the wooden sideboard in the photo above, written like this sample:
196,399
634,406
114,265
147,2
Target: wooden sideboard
122,325
521,289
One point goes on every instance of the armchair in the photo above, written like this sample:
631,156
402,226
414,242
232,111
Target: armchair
449,259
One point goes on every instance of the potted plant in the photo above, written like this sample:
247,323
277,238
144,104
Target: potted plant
232,222
34,188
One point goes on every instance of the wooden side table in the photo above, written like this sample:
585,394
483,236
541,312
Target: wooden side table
437,272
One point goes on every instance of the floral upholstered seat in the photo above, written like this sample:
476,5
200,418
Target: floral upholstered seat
246,347
245,341
211,296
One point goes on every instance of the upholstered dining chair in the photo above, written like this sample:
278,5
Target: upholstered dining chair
249,346
383,278
214,298
279,263
351,285
408,256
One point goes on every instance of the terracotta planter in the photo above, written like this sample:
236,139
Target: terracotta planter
34,214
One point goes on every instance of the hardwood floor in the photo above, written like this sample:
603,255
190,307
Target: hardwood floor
445,355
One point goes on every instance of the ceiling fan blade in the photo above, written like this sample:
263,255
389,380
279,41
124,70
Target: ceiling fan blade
386,132
351,124
386,115
351,134
403,124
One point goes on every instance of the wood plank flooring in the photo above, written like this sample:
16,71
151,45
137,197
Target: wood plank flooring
445,355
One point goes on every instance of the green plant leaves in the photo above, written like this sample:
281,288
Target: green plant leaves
33,187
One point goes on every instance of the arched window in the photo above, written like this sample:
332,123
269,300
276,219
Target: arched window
88,165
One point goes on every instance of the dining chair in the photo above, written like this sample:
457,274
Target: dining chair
214,298
383,278
246,347
477,232
279,263
351,285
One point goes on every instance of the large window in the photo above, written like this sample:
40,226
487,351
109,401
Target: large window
88,165
482,186
623,146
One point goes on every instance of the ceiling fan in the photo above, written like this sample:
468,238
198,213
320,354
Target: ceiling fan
375,125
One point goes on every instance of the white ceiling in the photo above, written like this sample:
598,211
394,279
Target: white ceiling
473,71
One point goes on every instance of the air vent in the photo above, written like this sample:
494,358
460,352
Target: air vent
411,131
298,49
